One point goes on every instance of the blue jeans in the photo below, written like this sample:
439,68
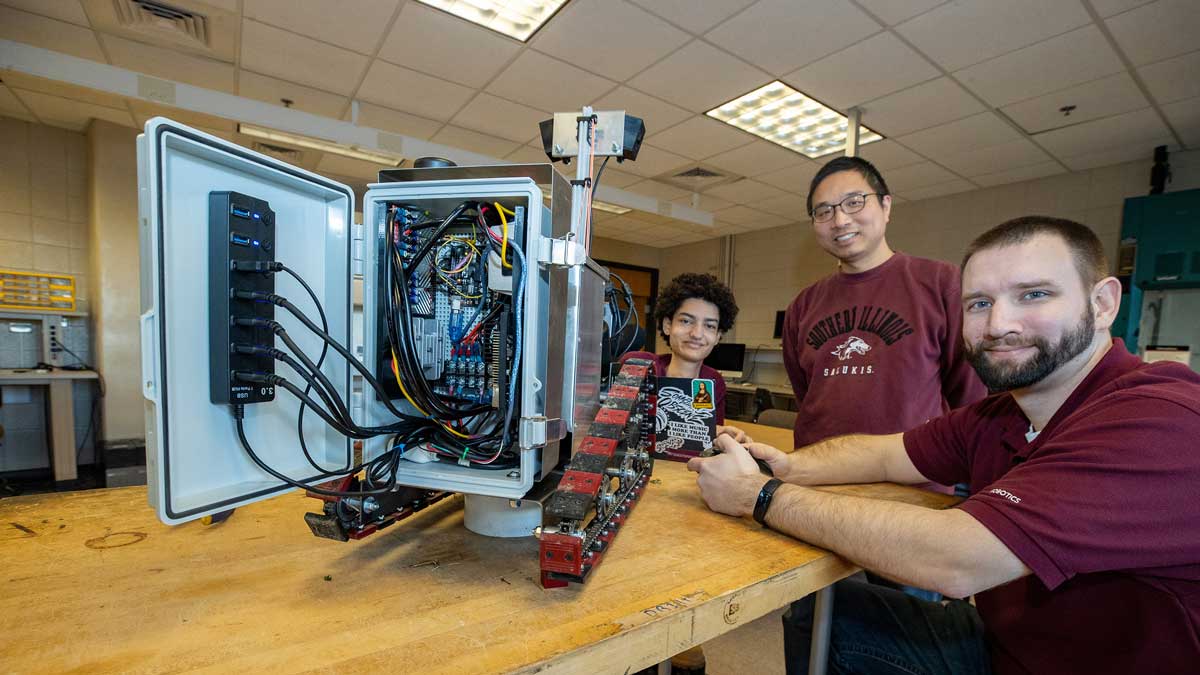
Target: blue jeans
883,630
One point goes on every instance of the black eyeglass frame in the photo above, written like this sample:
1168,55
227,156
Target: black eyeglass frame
841,205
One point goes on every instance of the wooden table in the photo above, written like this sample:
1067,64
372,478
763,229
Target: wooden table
62,411
92,582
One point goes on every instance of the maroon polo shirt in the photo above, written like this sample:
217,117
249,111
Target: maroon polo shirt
1103,506
661,361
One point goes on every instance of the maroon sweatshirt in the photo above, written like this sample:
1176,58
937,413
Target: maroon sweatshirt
878,352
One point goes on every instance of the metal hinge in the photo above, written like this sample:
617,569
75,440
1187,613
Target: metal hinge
565,252
537,431
356,250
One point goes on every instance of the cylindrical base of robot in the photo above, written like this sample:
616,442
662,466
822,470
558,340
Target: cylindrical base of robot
500,517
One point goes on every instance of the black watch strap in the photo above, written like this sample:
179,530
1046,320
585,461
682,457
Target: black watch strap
765,495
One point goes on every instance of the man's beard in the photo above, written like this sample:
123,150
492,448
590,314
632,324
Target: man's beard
1006,377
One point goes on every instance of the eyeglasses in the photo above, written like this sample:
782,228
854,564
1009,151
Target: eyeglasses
851,204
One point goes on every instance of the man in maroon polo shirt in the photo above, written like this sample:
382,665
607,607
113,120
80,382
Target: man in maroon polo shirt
1081,537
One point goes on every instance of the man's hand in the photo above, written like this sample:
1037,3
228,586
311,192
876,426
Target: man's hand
779,461
735,433
729,482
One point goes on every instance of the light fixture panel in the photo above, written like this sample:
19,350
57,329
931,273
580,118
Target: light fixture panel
322,145
515,18
777,113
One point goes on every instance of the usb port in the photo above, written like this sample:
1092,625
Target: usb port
240,212
239,239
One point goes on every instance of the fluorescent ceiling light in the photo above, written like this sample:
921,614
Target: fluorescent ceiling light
786,117
514,18
375,156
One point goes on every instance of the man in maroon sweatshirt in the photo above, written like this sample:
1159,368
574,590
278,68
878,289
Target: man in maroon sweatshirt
875,347
1079,539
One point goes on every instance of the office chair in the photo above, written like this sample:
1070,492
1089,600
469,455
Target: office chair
762,401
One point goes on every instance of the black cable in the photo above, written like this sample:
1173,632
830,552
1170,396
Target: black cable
239,415
320,362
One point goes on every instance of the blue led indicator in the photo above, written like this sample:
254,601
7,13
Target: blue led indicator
255,242
256,216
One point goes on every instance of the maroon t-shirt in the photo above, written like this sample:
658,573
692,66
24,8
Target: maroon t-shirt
877,352
661,361
1104,507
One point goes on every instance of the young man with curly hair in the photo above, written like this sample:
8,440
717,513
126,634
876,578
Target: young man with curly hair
692,313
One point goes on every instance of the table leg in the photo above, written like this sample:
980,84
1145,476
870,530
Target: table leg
818,657
62,430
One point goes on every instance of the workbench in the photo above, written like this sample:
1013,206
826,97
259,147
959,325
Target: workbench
62,411
93,582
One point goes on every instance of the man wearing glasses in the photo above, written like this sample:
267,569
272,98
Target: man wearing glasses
875,347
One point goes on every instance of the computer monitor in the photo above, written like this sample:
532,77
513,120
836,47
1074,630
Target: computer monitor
728,358
779,316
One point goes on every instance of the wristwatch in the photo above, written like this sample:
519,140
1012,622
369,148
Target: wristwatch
765,495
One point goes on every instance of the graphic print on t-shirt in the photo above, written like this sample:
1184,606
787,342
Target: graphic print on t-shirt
849,326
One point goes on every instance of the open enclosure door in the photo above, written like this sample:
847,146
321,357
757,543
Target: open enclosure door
204,201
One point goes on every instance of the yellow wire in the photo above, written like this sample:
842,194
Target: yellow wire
396,372
504,241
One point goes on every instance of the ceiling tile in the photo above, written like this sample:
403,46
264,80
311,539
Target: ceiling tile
700,77
745,191
465,139
330,21
921,175
748,217
958,34
700,137
654,161
549,84
1143,150
948,188
794,179
1110,7
893,12
976,131
379,117
1100,98
1184,116
171,64
656,114
63,10
502,118
273,91
527,154
392,86
629,37
756,158
793,207
11,106
867,70
1078,56
653,188
348,166
888,154
992,159
909,110
615,177
1098,135
692,16
707,203
1157,31
46,33
1024,173
68,113
269,50
432,41
1174,79
776,37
